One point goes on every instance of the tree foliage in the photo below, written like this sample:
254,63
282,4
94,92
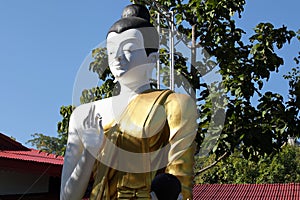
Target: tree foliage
283,167
245,68
256,129
54,145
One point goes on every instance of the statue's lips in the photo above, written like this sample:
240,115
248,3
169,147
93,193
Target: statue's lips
118,65
119,68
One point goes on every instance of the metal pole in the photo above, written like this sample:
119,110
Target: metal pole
157,62
171,35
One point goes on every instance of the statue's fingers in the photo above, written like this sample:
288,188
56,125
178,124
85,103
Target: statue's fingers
93,123
99,117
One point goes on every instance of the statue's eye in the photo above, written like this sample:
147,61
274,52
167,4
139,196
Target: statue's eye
129,47
127,50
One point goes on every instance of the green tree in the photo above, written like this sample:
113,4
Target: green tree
245,67
283,167
48,144
54,145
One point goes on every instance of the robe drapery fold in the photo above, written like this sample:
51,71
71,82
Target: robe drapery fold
154,134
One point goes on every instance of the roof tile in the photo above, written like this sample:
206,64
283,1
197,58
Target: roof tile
33,155
283,191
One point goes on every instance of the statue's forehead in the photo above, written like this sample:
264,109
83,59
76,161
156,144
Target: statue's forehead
114,38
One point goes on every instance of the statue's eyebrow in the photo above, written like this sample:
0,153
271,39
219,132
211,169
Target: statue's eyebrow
126,41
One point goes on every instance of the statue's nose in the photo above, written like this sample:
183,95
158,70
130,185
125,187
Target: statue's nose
118,56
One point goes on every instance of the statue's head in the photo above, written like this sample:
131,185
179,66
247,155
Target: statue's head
148,31
136,16
132,41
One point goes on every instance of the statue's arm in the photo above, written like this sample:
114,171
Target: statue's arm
78,161
182,115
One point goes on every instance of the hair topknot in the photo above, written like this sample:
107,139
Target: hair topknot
136,10
136,16
133,16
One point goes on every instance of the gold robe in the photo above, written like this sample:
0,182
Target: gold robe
155,134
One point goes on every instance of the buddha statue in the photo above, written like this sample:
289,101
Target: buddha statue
125,141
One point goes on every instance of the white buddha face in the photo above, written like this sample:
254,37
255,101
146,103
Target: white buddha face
125,51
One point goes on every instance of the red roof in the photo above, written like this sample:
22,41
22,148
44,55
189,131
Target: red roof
287,191
33,155
16,157
11,149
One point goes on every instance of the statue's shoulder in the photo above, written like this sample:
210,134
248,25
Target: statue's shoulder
103,103
170,99
169,96
90,111
179,97
81,111
182,104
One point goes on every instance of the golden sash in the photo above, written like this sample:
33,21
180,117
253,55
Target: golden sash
142,128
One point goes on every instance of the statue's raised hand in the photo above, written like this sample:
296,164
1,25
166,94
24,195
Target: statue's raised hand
92,132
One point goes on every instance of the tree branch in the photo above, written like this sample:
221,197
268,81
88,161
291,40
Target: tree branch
211,165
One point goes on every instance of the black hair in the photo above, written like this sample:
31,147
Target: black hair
136,10
137,17
166,186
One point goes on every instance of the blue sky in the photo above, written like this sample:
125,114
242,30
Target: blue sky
43,43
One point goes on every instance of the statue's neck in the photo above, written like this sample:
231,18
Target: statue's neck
127,94
136,80
130,90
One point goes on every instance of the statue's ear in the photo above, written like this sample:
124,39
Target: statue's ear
152,58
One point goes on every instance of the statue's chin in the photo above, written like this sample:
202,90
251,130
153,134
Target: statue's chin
137,74
119,73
